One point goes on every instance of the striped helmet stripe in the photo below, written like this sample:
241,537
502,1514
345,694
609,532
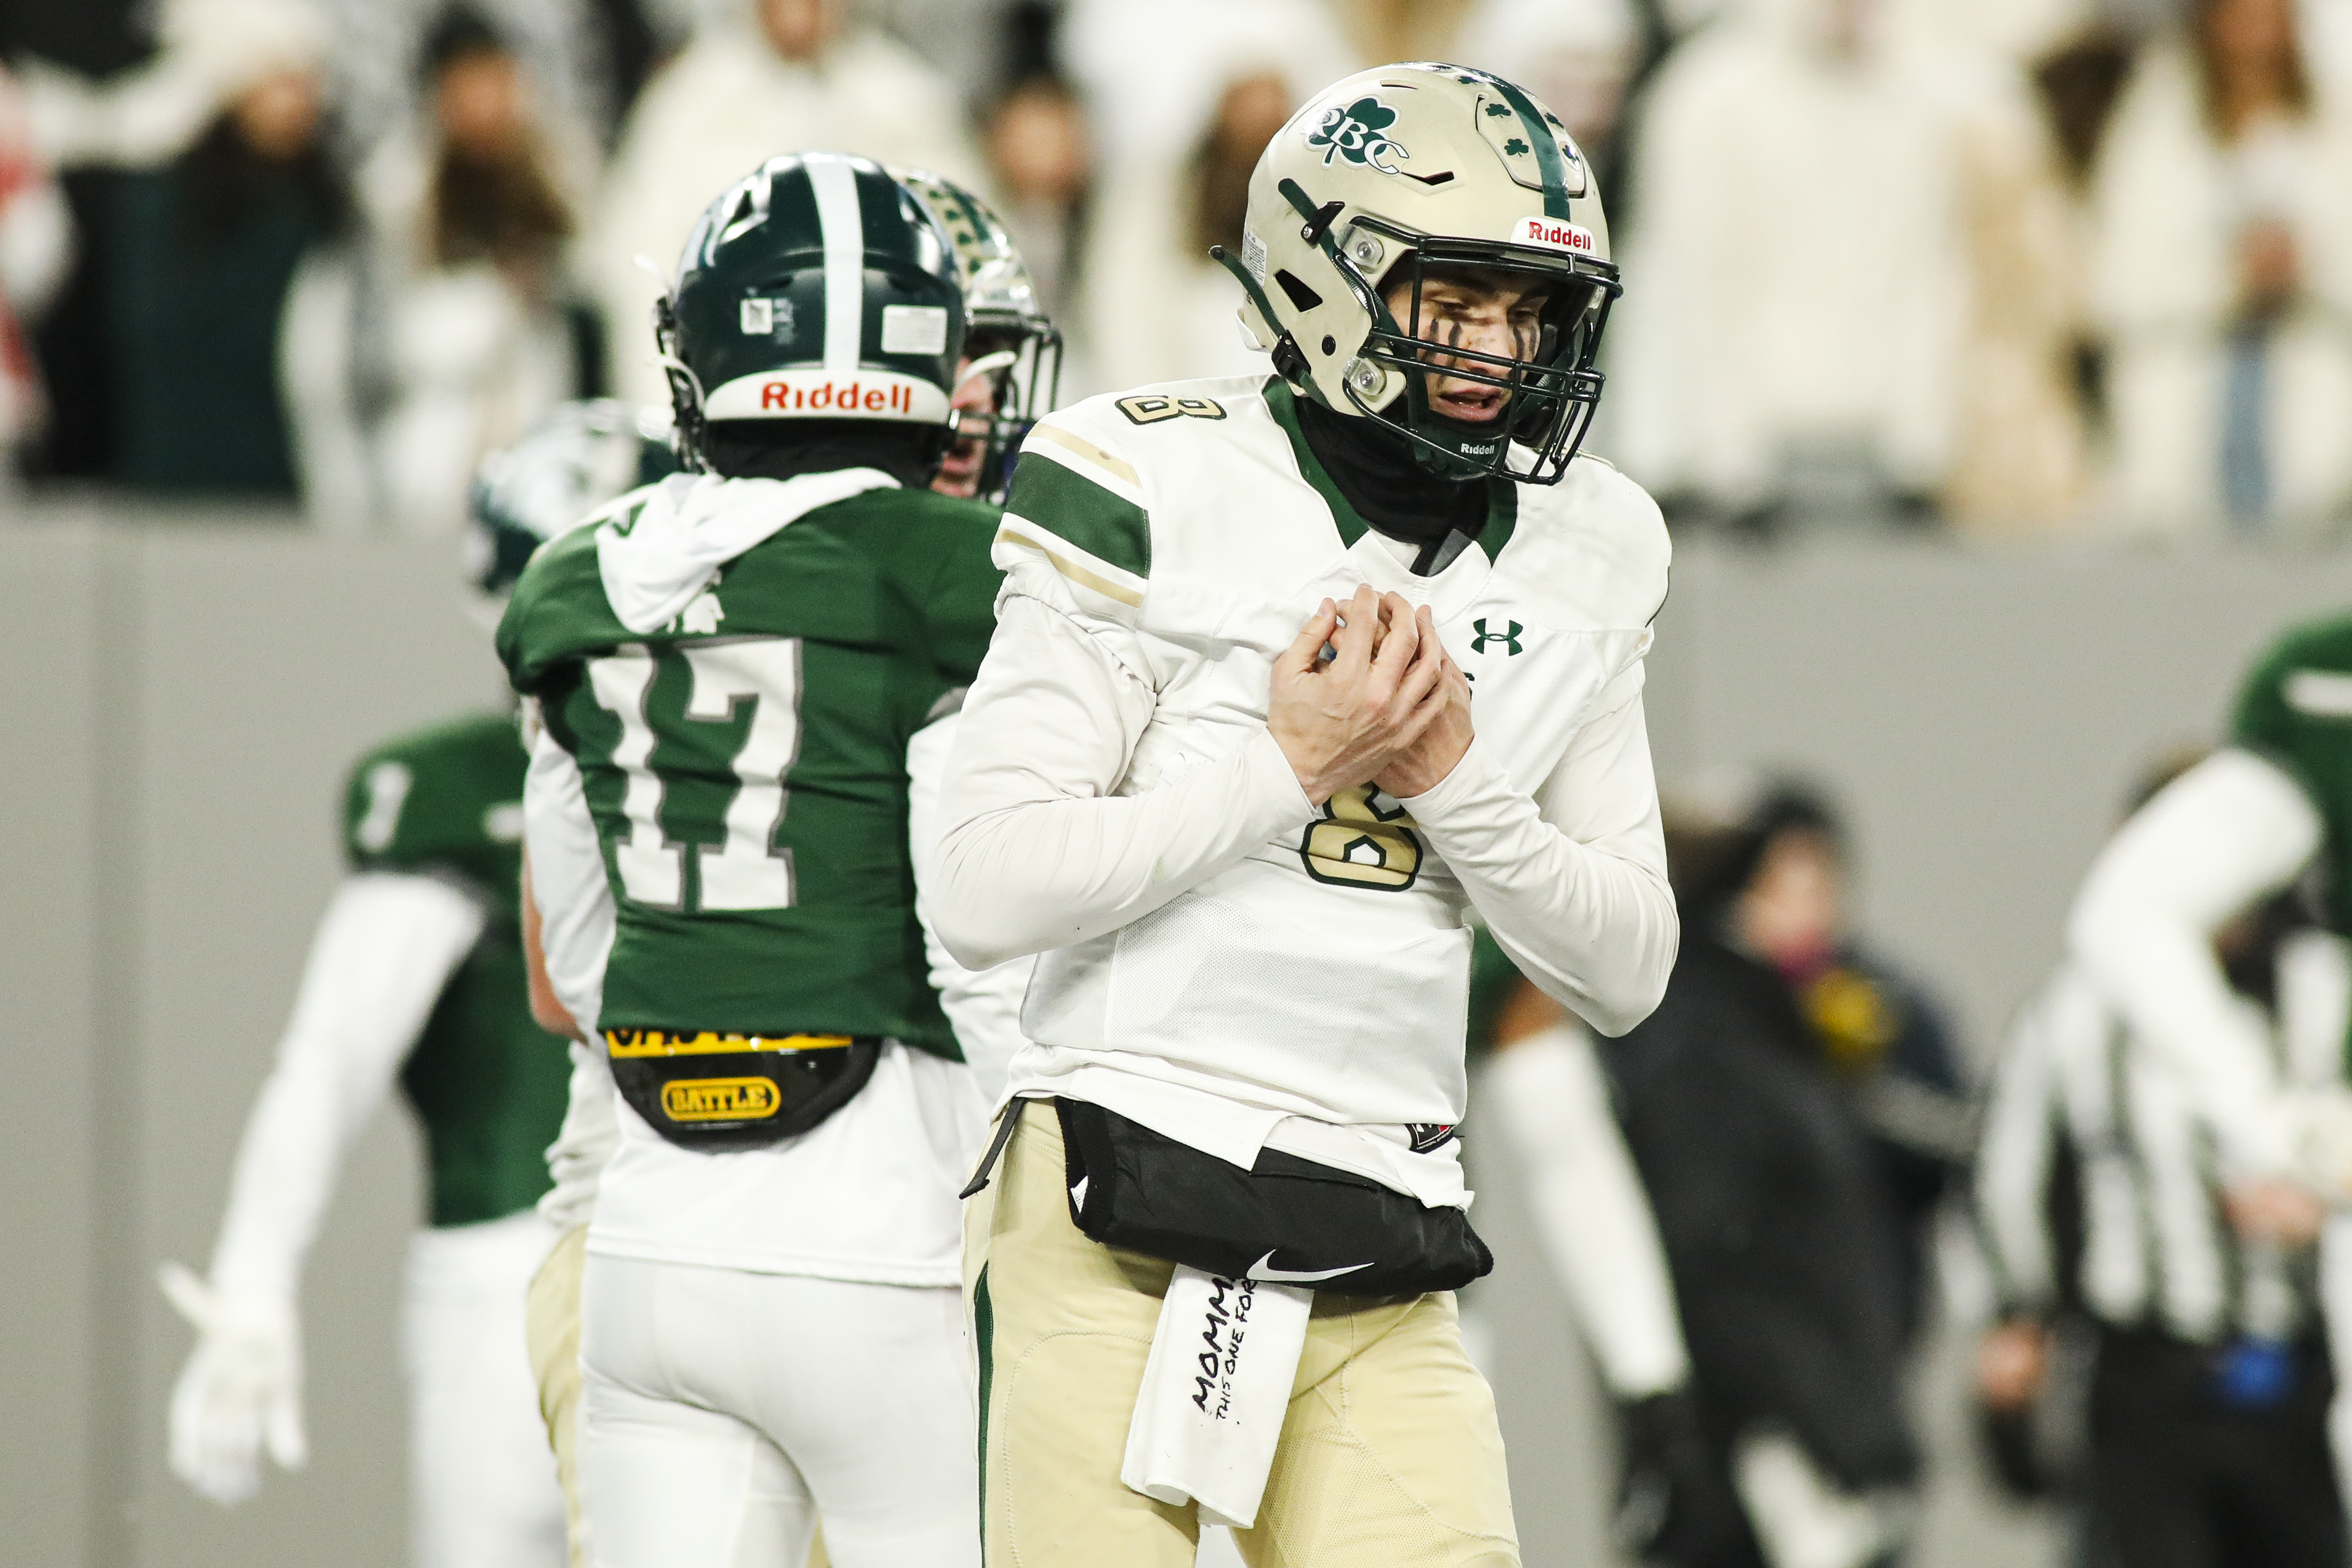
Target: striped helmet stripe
834,179
1539,137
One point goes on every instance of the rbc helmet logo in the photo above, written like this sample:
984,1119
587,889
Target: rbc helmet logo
1360,134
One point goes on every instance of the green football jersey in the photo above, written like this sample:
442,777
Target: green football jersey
488,1082
746,764
1492,978
2295,709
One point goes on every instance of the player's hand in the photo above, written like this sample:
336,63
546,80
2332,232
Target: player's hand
2286,1213
2012,1363
1345,720
240,1391
1423,765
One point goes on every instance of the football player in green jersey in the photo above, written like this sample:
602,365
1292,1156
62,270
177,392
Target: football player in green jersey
2253,819
416,974
727,669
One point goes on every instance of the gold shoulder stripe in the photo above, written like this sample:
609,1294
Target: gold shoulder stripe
1087,449
1072,569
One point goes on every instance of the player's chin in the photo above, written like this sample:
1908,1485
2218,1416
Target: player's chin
959,474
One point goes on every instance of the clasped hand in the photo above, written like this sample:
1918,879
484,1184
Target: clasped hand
1389,706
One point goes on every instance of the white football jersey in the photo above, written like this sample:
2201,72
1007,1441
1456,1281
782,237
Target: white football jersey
1190,531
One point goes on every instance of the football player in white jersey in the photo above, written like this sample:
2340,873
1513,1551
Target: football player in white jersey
1222,769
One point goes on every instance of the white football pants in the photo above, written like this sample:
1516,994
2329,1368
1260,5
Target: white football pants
723,1411
482,1490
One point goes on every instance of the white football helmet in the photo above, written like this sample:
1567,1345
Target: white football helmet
1420,167
1009,337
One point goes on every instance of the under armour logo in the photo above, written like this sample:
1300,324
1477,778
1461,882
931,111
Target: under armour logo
1510,639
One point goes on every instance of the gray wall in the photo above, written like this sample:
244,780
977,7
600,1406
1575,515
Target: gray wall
189,691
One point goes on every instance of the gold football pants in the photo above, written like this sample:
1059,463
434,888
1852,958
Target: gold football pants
552,1327
1390,1457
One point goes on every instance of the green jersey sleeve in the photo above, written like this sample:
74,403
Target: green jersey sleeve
956,584
1492,978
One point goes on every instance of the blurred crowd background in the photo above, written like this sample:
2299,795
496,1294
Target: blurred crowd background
2022,269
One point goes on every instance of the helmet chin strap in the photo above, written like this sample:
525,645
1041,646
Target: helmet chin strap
686,394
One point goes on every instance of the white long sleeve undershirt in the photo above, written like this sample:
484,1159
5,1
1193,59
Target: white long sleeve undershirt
384,950
1592,1216
2225,833
1036,853
983,1006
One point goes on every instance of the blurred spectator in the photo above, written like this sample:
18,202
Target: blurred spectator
1182,100
2079,80
1040,157
2222,277
211,253
803,76
1847,276
1541,1088
2098,1190
1037,150
2022,461
473,216
36,241
586,59
1041,161
1783,880
1156,307
1784,1245
1577,57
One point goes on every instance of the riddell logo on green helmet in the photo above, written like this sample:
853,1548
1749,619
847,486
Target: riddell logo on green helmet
1359,133
831,398
814,392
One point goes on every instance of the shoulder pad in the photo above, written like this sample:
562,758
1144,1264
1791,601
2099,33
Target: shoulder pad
1077,504
438,796
1594,545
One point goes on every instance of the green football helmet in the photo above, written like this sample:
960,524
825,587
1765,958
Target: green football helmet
815,287
567,467
1011,340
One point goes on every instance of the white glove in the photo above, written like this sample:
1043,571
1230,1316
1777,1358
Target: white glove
241,1388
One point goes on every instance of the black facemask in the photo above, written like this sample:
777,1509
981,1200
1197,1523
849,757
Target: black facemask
1376,472
786,448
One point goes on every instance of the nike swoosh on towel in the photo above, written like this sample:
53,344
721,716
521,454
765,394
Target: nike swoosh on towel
1264,1271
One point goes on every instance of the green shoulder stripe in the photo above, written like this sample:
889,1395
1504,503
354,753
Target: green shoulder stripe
1064,503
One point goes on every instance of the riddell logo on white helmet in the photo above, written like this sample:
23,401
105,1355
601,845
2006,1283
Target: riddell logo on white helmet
1556,234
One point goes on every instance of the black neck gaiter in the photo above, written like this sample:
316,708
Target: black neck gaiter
1375,471
787,448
